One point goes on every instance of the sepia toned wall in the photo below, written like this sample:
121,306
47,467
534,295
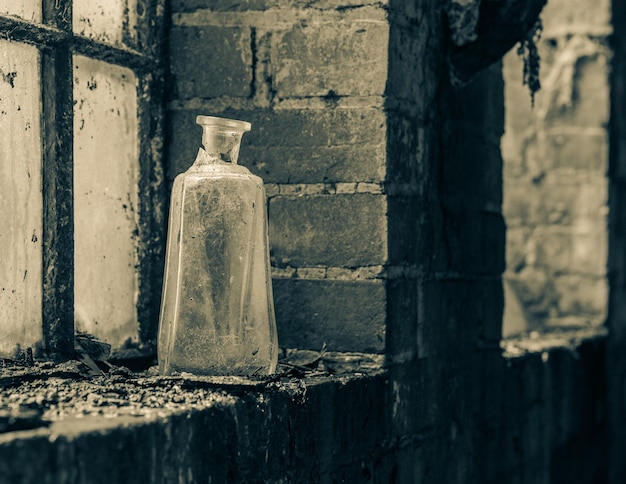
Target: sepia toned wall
555,165
385,205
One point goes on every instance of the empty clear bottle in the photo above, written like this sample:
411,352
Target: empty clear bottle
217,311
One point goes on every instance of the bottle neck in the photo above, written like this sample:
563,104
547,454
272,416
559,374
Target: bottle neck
221,143
211,164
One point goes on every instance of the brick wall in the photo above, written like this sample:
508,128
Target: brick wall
616,363
385,195
555,167
538,420
385,187
311,80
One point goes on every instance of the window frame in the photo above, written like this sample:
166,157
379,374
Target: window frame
57,44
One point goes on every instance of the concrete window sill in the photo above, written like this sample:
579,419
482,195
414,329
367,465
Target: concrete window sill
543,343
57,426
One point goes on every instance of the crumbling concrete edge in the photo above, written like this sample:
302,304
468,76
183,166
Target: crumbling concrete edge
295,432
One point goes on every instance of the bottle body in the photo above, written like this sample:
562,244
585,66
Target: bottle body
217,313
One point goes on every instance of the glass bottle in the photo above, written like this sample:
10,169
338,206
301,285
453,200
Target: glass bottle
217,311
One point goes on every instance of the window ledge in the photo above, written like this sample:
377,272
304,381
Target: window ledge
535,342
143,428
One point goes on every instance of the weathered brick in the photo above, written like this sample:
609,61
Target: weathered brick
520,202
531,392
572,202
491,419
472,241
477,183
243,5
578,150
208,62
580,252
478,105
534,289
516,251
473,126
353,406
295,146
331,59
338,230
576,15
519,113
562,201
409,147
463,308
475,241
582,295
408,77
404,227
590,103
402,304
347,316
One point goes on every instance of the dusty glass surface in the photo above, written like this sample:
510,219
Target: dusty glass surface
106,171
217,314
20,195
110,21
27,9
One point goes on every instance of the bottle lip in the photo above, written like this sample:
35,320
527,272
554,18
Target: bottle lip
223,122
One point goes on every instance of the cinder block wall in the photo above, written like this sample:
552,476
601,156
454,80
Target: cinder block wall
344,102
311,79
385,189
555,168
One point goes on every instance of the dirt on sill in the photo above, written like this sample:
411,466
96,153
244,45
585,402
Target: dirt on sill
35,394
542,342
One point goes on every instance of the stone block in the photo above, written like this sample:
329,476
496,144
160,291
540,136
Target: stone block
520,202
575,252
571,201
330,59
406,232
472,172
516,250
576,15
562,200
534,289
402,313
519,112
467,309
295,146
590,99
408,66
584,150
475,241
358,423
479,104
347,316
336,231
410,144
208,62
244,5
460,240
582,296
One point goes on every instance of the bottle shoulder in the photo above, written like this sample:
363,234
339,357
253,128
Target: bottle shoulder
222,176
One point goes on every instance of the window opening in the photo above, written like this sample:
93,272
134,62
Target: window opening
80,95
555,186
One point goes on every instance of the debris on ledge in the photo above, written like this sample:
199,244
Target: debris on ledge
43,393
536,342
